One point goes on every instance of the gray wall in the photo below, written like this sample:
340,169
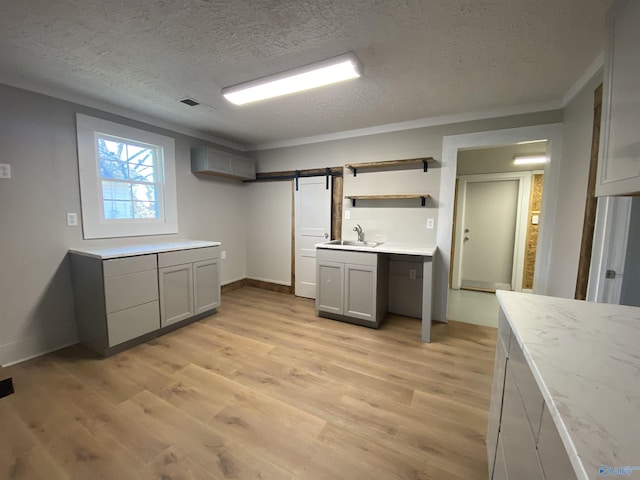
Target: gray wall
38,138
574,173
630,294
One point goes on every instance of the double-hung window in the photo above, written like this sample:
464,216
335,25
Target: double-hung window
127,180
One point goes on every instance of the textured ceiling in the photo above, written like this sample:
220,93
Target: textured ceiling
421,58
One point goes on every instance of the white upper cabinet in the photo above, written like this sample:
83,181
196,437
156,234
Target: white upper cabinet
619,160
210,161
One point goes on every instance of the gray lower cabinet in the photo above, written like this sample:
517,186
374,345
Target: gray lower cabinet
116,300
352,286
522,440
189,283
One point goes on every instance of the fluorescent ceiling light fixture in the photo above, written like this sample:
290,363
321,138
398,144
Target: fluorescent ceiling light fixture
530,141
326,72
530,160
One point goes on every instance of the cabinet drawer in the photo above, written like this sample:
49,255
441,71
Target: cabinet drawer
133,322
527,386
125,265
347,256
180,257
126,291
553,456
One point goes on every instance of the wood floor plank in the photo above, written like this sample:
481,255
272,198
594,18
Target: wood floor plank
263,389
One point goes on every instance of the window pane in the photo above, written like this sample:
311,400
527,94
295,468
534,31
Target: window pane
141,163
116,191
114,209
145,210
144,193
112,159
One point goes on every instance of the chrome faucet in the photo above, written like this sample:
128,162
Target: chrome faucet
358,229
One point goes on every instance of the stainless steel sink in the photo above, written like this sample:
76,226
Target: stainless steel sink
353,243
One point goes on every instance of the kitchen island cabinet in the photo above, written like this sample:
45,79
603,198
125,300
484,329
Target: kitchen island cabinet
566,393
124,295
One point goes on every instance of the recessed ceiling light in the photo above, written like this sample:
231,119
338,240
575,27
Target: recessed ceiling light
326,72
530,160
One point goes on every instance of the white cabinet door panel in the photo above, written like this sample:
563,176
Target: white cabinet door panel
619,162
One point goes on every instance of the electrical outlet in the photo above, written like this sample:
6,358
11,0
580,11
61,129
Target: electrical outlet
347,214
412,274
5,170
430,223
223,254
72,219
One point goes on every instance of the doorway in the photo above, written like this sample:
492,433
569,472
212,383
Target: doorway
541,215
488,223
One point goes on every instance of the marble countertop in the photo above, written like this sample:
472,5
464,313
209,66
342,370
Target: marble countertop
395,248
106,253
585,358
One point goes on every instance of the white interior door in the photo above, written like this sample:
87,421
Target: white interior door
312,225
488,234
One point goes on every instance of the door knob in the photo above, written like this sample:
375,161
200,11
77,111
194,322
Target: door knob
466,230
466,238
326,235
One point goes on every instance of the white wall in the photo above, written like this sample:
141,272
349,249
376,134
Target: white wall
498,159
38,139
269,231
574,172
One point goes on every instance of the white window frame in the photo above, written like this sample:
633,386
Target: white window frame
94,225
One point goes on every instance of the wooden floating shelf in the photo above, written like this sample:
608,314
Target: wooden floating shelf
354,167
421,196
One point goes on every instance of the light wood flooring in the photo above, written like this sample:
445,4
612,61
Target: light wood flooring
264,389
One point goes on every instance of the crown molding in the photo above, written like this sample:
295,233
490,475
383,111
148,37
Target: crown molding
580,83
413,124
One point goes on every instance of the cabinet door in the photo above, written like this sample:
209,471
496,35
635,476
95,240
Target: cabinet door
176,293
553,456
360,292
518,444
206,285
495,410
330,287
619,163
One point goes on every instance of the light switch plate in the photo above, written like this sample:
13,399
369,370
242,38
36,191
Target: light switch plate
72,219
5,170
430,223
223,255
535,219
347,214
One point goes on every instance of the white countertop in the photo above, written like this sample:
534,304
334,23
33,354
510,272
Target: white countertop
105,253
585,358
396,248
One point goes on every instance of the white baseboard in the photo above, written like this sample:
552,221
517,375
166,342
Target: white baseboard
29,348
269,280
